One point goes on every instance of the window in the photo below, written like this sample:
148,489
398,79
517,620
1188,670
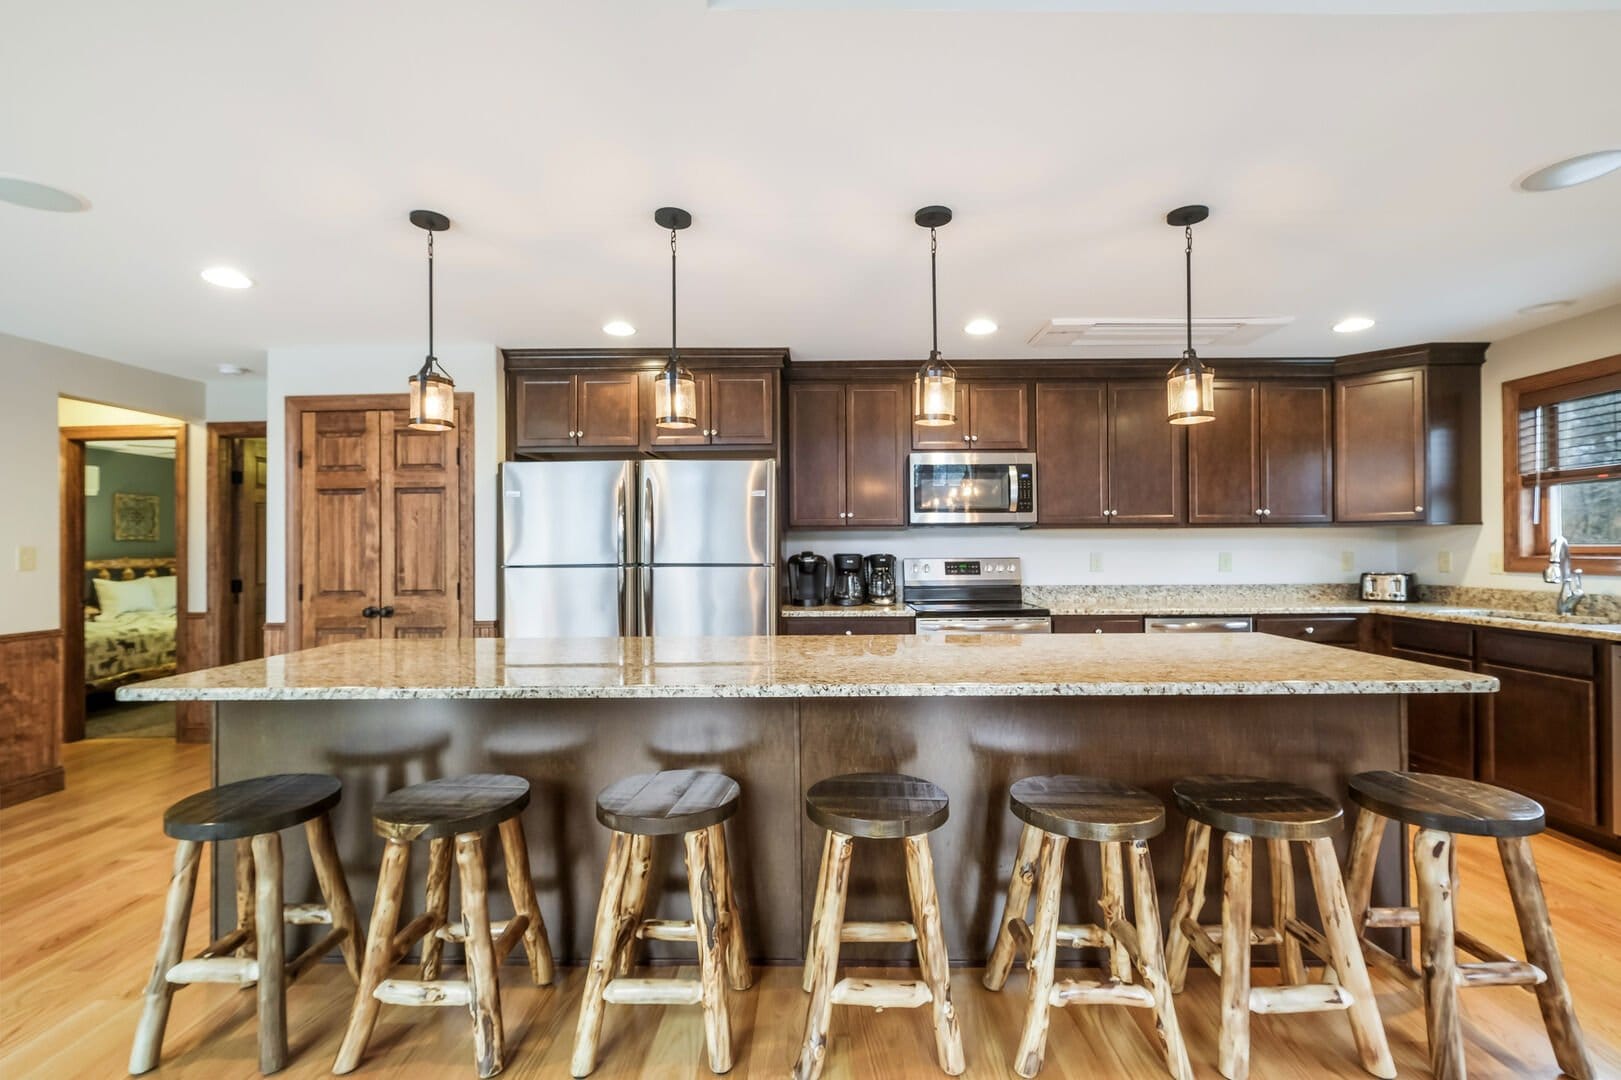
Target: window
1562,466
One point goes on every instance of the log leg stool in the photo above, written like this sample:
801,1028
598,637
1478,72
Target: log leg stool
1442,807
451,813
693,805
1244,808
251,813
876,806
1056,810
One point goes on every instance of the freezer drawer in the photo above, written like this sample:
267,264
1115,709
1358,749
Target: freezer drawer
567,601
567,513
694,601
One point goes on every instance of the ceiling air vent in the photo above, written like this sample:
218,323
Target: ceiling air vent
1156,333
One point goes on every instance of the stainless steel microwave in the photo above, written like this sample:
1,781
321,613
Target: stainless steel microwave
971,489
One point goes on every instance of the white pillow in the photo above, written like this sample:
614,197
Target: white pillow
163,593
116,597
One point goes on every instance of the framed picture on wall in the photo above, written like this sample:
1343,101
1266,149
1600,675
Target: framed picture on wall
135,517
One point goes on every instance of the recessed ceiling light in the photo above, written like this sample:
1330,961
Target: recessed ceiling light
231,369
227,277
1352,324
33,195
1572,171
618,328
980,327
1545,307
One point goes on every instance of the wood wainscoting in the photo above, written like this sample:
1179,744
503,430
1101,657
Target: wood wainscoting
275,638
30,715
194,720
487,629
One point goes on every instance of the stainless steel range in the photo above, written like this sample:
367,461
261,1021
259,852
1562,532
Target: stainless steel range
970,596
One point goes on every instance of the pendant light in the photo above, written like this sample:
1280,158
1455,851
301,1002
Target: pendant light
1190,386
934,391
675,393
433,394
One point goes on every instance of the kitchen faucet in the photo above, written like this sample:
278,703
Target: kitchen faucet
1559,573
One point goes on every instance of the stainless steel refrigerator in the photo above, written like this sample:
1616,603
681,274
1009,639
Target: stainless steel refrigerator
626,548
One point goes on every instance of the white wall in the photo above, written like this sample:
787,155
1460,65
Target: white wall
1477,550
35,376
311,370
236,399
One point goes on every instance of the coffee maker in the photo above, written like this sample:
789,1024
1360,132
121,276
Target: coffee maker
848,590
881,579
809,579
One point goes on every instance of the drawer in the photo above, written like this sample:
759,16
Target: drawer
1325,629
848,624
1097,624
1448,639
1536,652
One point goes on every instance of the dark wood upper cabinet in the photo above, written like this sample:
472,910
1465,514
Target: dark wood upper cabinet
878,416
608,411
554,410
1072,470
952,436
999,415
1296,466
742,408
543,410
815,472
1224,459
1146,480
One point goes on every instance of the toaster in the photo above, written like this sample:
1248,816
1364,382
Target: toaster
1389,585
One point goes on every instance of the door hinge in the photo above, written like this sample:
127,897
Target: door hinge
236,477
236,585
458,590
301,459
301,592
458,455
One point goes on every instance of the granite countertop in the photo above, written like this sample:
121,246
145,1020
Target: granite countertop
797,666
856,611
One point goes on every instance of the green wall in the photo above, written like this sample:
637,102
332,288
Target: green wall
135,475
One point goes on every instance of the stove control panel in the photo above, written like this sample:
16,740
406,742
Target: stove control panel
929,570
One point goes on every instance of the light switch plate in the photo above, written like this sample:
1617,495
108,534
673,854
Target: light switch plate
27,559
1443,562
1347,560
1224,562
1095,563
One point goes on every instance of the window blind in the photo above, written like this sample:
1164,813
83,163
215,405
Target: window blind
1576,438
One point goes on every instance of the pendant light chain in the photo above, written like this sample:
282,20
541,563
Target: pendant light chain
934,291
672,295
1187,233
430,294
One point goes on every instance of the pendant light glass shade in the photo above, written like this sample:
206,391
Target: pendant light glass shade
433,393
675,397
1190,392
934,394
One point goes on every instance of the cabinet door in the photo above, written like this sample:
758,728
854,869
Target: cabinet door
338,529
877,417
1541,739
1379,447
846,625
999,415
544,410
1296,464
1440,727
693,436
945,436
419,564
609,412
742,408
1072,476
1146,484
1097,624
816,445
1223,460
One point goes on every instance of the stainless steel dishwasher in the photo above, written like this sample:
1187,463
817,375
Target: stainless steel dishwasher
1199,625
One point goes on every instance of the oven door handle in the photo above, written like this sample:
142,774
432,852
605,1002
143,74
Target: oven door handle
989,625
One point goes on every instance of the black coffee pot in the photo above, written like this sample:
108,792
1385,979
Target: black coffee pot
810,579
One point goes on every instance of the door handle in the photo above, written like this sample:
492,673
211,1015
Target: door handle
1012,489
387,611
370,612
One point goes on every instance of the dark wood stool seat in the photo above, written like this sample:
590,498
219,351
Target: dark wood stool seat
1442,807
877,806
1087,808
1448,803
264,804
450,806
668,803
1258,806
250,815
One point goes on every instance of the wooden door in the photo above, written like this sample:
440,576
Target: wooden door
999,415
877,416
1296,463
945,436
1440,727
339,526
1379,447
1072,475
1146,484
608,412
665,437
422,534
816,454
1541,739
742,408
1224,459
544,410
245,629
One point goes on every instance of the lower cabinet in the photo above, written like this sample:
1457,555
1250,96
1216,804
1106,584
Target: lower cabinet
847,624
1440,727
1097,624
1343,630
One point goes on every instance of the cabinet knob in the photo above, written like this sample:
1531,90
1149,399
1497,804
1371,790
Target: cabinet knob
849,633
1418,509
1267,513
1098,630
1311,629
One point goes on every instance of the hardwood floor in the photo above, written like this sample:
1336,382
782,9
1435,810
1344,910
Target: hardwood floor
82,874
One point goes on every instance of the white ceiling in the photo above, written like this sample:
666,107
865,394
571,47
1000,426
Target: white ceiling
1354,165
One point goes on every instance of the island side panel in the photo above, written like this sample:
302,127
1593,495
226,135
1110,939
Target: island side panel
568,750
976,747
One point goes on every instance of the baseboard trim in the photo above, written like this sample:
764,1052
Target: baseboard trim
23,788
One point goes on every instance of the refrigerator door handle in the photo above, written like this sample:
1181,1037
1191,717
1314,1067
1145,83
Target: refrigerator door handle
646,627
622,572
644,550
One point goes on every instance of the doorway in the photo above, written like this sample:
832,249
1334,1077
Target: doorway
238,473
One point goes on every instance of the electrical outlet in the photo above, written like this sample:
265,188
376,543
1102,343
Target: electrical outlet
1443,562
1095,563
1224,562
1497,562
27,559
1347,560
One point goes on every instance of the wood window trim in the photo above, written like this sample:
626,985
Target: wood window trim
1525,543
292,441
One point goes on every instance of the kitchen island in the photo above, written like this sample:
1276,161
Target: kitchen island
971,712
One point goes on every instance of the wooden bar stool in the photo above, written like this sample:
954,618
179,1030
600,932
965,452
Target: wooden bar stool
693,805
1056,810
1281,813
453,812
252,813
1442,807
876,806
